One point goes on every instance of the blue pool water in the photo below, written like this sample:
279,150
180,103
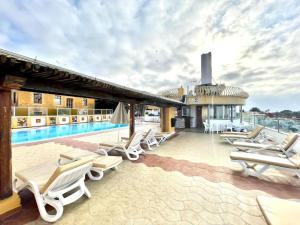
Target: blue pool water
39,134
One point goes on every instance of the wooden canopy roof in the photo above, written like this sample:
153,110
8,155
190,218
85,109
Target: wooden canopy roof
28,74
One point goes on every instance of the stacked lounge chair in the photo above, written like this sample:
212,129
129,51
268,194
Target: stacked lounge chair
253,136
255,164
50,182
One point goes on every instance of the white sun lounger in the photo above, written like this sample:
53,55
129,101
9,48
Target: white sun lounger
150,139
286,147
132,148
163,136
101,161
50,183
253,136
279,211
255,164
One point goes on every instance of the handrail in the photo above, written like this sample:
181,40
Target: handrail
52,111
281,125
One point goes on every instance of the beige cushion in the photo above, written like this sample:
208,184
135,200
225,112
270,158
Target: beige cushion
40,174
105,162
99,161
295,159
263,159
289,140
279,211
255,132
252,145
234,136
44,174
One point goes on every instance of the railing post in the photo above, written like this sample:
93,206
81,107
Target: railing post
278,124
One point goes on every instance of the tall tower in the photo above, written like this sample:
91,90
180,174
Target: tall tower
206,74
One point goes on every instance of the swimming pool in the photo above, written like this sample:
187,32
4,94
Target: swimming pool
43,133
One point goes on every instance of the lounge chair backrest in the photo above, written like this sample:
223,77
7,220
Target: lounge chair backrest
130,140
289,141
67,174
148,134
255,132
136,140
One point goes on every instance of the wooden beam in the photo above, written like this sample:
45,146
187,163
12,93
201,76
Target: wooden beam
132,119
52,87
11,82
5,144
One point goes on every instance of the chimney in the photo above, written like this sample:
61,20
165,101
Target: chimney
206,75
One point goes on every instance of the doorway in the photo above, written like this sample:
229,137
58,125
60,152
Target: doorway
199,121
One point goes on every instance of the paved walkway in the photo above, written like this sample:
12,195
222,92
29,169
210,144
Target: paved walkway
187,180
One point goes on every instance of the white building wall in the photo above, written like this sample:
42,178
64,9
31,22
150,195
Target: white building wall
193,115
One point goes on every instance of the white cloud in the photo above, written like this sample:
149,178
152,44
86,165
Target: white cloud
153,45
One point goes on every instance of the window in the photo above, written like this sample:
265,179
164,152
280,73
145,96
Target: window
37,98
57,100
14,98
69,103
85,102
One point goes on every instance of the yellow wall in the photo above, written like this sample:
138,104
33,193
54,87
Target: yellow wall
25,99
165,119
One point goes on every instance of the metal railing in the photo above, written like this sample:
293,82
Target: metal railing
281,125
45,111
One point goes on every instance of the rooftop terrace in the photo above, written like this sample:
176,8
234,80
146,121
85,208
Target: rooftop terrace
187,180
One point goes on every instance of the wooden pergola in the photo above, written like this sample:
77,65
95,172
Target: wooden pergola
23,73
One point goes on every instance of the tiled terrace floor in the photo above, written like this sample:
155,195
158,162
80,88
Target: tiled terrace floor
187,180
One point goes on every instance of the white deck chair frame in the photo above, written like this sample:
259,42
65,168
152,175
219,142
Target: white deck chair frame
251,170
150,140
133,150
54,194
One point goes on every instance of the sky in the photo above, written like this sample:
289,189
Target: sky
156,45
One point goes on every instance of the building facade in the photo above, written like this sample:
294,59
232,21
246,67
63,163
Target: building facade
34,109
207,101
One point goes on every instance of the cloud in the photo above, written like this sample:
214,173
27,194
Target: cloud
154,45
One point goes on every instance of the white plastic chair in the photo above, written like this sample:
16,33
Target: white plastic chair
50,183
206,127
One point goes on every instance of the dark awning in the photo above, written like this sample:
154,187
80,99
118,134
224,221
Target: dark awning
38,76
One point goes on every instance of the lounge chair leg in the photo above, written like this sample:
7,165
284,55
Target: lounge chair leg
86,191
42,202
99,172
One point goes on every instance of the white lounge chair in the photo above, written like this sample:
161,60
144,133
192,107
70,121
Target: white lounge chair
279,211
150,140
255,164
163,136
286,147
253,136
101,161
132,148
50,183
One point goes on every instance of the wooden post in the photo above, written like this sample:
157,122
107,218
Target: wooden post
166,113
5,144
132,119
